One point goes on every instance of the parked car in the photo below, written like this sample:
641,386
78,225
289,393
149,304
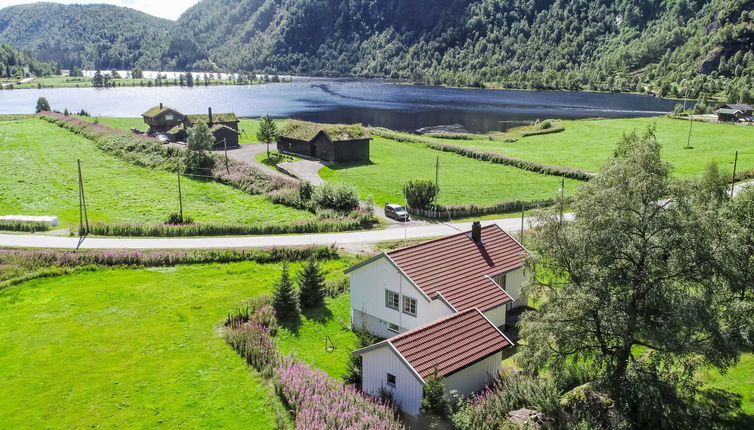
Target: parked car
162,138
396,212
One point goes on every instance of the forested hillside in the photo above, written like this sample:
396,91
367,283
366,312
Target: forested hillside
87,36
665,47
17,64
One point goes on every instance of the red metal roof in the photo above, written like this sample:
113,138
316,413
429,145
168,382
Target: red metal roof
451,343
460,269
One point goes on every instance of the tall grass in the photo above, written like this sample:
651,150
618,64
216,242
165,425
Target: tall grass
26,226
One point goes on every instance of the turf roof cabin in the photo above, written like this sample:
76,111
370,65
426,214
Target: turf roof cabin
734,112
331,142
173,124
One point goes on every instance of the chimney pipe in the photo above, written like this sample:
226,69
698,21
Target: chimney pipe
476,232
160,105
210,117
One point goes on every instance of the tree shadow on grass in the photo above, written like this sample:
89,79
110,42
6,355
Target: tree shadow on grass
293,325
725,406
320,314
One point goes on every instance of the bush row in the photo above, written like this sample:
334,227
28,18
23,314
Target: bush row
491,157
27,226
463,211
356,221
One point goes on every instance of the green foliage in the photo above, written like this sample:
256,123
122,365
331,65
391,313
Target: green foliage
285,298
19,64
27,226
435,401
42,105
336,196
420,193
196,159
175,218
311,285
268,130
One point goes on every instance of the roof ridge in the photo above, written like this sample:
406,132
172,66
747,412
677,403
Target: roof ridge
416,245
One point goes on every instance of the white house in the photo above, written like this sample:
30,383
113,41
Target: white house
407,288
465,349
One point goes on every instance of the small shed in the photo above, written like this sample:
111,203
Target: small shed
729,115
339,143
465,349
745,109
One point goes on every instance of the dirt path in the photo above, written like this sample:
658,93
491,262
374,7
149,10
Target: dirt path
248,154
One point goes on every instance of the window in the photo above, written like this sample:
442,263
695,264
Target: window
409,305
500,280
169,117
393,327
390,380
392,299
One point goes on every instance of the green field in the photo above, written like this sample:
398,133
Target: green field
587,144
462,180
38,176
141,349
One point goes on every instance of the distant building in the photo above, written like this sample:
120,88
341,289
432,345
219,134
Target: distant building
734,112
331,142
173,124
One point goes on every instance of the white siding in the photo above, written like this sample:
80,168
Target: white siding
475,377
368,285
496,316
514,281
408,390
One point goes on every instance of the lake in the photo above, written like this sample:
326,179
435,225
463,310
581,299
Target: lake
371,102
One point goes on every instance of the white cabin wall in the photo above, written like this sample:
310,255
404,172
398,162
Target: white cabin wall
496,316
475,377
408,390
514,281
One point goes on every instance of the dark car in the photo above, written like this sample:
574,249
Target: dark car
396,212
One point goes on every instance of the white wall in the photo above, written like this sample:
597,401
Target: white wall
368,285
496,315
474,377
514,281
408,390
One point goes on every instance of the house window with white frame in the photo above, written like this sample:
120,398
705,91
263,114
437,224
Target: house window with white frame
393,327
392,299
390,380
409,306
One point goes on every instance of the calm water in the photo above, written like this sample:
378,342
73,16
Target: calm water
377,103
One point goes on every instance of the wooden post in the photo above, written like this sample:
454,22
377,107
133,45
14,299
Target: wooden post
225,147
733,184
562,196
523,207
688,142
83,216
180,194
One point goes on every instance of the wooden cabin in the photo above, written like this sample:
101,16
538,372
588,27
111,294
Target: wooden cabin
161,119
330,142
175,125
734,112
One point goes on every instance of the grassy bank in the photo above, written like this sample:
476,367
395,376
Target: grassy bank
141,347
39,177
587,144
462,180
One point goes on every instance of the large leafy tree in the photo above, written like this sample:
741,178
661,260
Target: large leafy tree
268,131
639,294
42,105
200,140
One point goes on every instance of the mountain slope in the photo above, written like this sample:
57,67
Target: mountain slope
17,64
87,36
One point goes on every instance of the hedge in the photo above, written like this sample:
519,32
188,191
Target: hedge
491,157
27,226
464,211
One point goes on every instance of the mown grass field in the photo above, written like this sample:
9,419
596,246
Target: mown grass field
38,176
462,180
587,144
141,349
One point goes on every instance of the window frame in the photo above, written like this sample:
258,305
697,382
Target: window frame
388,293
395,380
415,305
503,277
390,327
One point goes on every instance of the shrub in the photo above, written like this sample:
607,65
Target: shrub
420,193
435,401
254,343
200,140
285,299
463,211
175,218
336,196
42,105
27,226
311,282
545,125
305,191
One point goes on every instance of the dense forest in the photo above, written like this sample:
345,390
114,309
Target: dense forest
667,47
87,36
17,64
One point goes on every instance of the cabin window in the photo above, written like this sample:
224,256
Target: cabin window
390,380
169,117
392,299
409,305
500,280
393,327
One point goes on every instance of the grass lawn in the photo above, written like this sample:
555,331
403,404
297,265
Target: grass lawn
38,176
141,349
738,379
588,144
462,180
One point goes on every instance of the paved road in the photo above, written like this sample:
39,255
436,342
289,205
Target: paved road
342,239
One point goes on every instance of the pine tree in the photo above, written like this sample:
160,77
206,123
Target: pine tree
285,297
200,139
98,81
42,105
311,283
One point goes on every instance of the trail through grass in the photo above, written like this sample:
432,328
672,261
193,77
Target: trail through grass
38,176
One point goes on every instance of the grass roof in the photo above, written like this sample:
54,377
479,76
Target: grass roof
216,117
304,130
156,111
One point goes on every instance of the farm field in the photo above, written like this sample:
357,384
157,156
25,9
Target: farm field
587,144
462,180
38,176
141,348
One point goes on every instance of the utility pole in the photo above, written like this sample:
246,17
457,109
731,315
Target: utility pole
523,207
688,143
83,216
733,184
180,194
562,196
437,180
225,146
